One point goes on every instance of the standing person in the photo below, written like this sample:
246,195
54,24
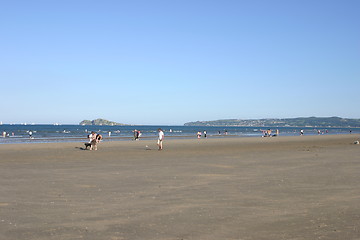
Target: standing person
301,132
136,135
198,134
99,137
30,134
205,134
160,139
93,139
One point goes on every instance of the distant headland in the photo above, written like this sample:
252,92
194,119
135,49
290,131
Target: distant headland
101,121
282,122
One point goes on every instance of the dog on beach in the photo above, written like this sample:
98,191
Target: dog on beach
87,145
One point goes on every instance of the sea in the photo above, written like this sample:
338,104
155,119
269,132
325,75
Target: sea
19,134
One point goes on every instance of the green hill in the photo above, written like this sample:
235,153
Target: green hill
284,122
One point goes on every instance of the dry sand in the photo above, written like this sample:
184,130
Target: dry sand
232,188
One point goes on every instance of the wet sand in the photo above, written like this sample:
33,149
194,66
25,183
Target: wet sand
304,187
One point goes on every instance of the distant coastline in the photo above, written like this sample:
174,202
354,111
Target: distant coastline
316,122
282,122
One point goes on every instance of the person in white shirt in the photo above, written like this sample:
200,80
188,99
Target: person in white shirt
160,139
93,141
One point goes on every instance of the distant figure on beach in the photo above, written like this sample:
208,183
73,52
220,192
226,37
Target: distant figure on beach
219,132
30,134
269,132
301,132
198,134
205,134
226,132
160,139
93,140
264,133
136,135
4,134
109,134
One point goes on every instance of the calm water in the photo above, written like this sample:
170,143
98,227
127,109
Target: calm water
78,133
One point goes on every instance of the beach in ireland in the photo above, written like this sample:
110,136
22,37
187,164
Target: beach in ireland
287,187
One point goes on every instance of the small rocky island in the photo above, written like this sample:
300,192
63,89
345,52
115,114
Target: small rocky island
101,122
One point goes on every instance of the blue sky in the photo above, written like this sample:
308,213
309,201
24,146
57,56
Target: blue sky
170,62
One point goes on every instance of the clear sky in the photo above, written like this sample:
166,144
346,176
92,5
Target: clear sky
170,62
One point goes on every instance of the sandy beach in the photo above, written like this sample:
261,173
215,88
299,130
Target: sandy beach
303,187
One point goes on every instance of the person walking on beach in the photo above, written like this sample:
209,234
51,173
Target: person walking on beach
160,139
136,134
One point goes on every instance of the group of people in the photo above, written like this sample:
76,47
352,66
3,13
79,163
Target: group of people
268,133
161,136
95,138
6,134
199,134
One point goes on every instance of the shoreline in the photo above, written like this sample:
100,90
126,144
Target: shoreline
24,140
75,133
193,139
106,139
